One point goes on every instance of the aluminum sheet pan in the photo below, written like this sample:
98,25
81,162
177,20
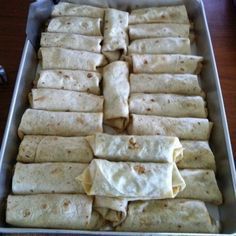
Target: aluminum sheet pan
220,141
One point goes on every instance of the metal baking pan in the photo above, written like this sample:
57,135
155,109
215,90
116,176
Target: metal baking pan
39,12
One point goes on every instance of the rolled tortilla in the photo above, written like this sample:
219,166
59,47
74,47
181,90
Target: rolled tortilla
70,9
201,185
54,149
167,105
78,25
59,211
38,122
131,180
160,46
47,178
164,63
170,14
61,58
115,31
71,41
77,80
136,148
116,93
197,155
111,209
185,84
183,128
169,216
47,99
141,31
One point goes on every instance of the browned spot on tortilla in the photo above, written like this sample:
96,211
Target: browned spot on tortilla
139,169
145,62
68,23
195,158
66,203
39,98
179,226
56,171
165,205
85,25
182,69
89,75
168,100
121,21
163,16
44,206
69,151
79,120
182,62
66,77
26,212
148,109
132,144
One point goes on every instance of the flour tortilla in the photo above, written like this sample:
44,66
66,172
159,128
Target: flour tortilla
164,63
71,41
115,31
201,185
116,93
77,80
167,105
141,31
39,122
136,148
169,216
183,128
112,209
61,58
160,46
54,149
70,9
59,211
47,99
170,14
78,25
131,180
197,155
185,84
47,178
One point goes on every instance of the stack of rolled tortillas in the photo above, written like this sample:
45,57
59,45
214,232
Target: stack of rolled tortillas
116,136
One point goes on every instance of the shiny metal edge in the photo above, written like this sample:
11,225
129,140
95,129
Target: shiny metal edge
13,101
222,109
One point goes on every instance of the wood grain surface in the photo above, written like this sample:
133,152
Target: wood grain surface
221,15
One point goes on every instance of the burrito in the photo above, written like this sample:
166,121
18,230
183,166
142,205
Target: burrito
115,31
185,84
197,155
54,149
78,25
136,148
113,210
63,100
71,41
160,46
201,185
183,128
164,63
169,216
116,93
77,80
141,31
47,178
131,180
170,14
61,58
39,122
69,9
167,105
59,211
